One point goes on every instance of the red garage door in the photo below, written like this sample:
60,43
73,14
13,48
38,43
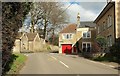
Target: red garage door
67,48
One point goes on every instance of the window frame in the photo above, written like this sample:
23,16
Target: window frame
109,40
86,32
86,43
109,21
67,35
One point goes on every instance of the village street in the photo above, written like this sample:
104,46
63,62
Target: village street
53,63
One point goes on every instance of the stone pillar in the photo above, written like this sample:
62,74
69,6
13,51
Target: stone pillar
117,13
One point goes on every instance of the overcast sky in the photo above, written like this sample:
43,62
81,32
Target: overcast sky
88,10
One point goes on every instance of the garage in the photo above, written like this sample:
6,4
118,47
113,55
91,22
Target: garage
67,48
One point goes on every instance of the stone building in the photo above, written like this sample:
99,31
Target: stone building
108,22
28,42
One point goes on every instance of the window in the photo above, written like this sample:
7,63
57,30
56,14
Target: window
98,29
87,34
109,39
67,36
86,46
109,21
104,25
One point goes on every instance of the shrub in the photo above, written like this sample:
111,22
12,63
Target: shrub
115,50
15,63
48,47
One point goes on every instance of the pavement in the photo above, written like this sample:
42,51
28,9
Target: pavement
53,63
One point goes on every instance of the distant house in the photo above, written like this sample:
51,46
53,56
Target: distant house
87,34
28,42
77,37
17,44
67,39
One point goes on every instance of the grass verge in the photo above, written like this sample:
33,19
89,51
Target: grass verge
15,63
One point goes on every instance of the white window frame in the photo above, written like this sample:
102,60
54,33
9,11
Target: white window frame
86,34
109,40
64,36
109,21
86,44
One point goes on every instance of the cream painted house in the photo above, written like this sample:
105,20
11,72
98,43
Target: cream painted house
76,37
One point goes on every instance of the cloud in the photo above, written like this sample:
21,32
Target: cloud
93,6
88,10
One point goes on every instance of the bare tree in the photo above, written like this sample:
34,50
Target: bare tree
44,13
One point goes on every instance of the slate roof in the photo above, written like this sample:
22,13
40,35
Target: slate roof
107,7
71,28
19,35
87,24
31,36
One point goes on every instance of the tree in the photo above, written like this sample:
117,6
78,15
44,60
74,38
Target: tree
45,13
102,42
54,40
115,50
13,14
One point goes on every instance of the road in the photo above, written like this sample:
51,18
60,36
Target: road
49,63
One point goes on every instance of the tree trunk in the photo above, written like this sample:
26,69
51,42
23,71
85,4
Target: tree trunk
45,25
53,37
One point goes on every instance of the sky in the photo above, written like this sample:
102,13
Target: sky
88,10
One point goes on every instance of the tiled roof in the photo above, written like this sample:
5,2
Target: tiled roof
71,28
87,24
31,36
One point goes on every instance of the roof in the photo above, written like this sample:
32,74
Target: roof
31,36
87,24
19,35
71,28
107,7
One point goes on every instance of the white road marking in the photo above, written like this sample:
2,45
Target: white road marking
60,61
53,57
64,64
92,61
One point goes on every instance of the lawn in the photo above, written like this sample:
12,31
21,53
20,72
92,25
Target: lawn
15,64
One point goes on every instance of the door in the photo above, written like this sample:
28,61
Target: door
67,48
75,50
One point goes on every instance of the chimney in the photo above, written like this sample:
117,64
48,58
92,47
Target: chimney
78,20
109,1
